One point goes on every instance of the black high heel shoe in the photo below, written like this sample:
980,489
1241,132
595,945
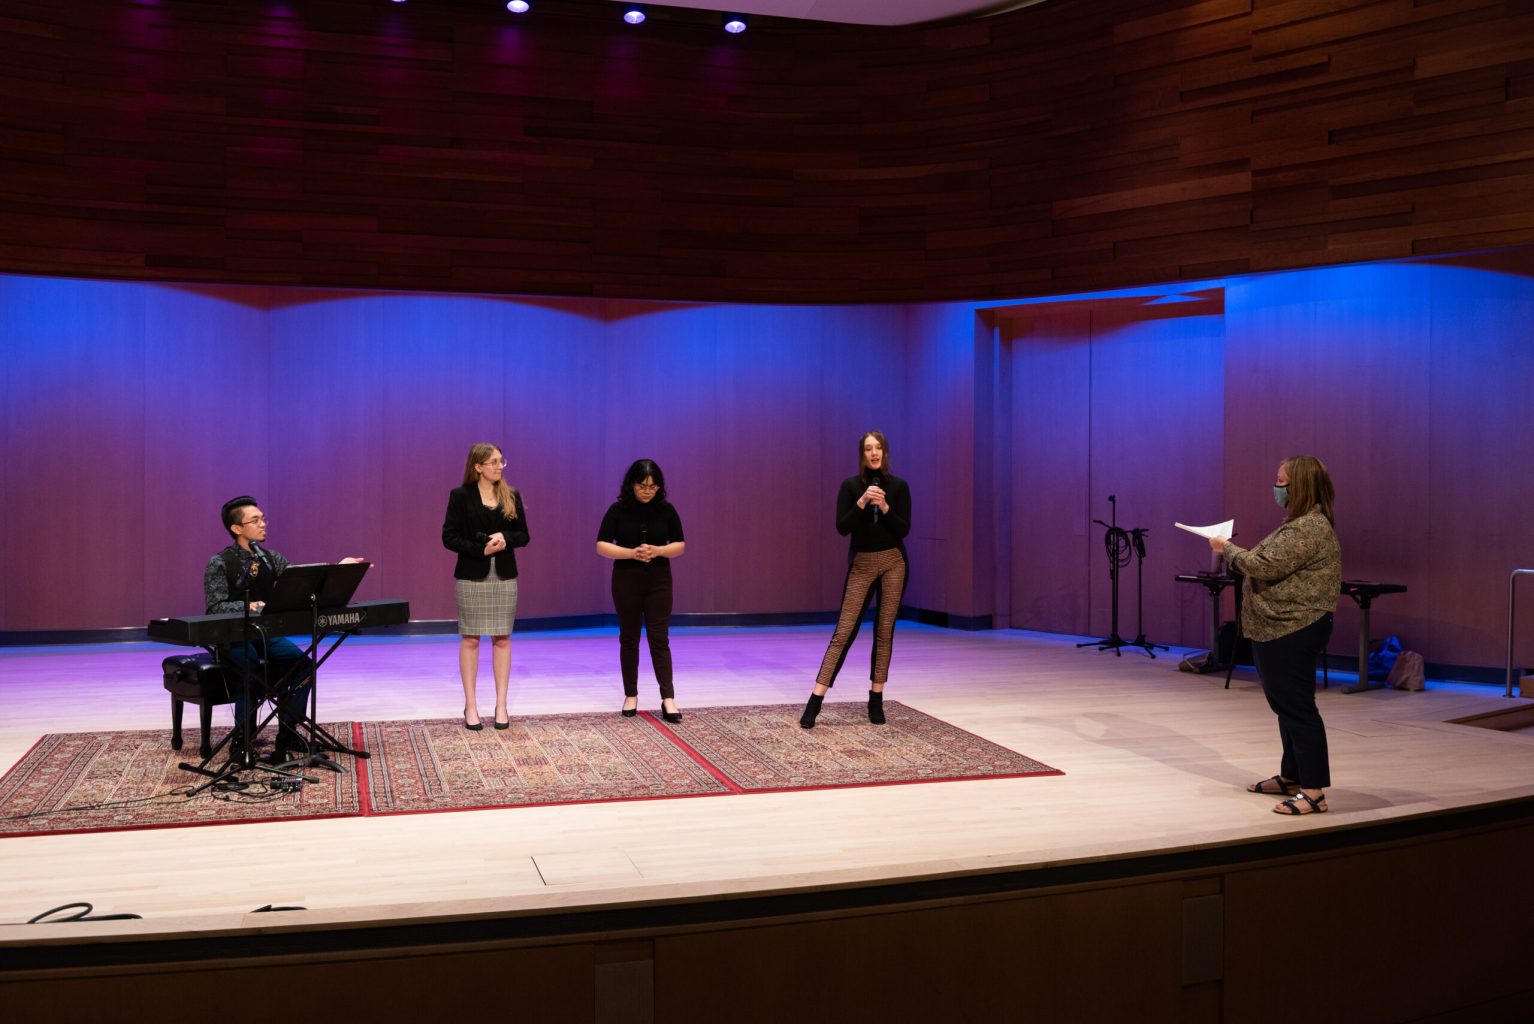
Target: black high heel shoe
502,725
876,707
476,727
811,711
670,716
630,712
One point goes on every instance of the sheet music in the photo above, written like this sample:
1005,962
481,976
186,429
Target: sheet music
1225,529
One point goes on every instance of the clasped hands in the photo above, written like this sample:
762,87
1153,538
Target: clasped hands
645,553
874,495
497,542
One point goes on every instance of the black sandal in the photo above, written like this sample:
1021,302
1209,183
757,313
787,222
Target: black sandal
1316,806
1285,788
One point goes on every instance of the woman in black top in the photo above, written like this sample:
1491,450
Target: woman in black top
485,524
874,507
641,533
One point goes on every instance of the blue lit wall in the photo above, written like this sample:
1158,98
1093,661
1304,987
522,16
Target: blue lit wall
131,411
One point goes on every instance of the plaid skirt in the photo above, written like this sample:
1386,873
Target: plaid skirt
486,607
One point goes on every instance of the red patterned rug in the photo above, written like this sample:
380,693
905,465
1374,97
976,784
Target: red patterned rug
106,781
543,759
94,782
760,747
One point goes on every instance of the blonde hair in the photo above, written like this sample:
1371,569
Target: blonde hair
1310,486
505,495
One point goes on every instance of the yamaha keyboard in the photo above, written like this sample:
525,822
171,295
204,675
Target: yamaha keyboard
229,627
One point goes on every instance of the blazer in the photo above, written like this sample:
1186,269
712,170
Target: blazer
468,524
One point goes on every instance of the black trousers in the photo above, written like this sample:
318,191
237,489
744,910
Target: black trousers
1287,668
286,661
643,596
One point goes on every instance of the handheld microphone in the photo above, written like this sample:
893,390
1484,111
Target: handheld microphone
876,480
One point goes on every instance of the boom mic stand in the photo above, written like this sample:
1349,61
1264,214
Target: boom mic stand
242,758
1118,542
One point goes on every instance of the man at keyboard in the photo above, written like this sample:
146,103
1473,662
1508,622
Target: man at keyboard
245,571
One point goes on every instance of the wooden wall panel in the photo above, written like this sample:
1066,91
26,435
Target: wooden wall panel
452,147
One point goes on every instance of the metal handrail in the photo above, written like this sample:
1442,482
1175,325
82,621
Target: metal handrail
1512,579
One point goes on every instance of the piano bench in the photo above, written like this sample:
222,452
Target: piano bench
195,679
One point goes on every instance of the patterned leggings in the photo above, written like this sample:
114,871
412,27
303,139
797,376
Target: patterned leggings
888,568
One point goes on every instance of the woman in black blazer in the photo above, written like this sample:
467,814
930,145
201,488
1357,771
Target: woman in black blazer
485,524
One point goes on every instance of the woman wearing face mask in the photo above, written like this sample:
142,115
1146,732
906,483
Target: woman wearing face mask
641,533
1289,588
874,508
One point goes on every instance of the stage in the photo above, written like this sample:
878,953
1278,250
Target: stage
1154,763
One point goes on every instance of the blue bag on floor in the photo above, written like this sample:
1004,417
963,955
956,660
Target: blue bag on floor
1384,659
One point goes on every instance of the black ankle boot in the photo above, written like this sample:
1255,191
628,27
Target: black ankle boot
811,711
876,707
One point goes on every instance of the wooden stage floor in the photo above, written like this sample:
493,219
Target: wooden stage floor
1154,761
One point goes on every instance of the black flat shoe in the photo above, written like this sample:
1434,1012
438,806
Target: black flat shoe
503,725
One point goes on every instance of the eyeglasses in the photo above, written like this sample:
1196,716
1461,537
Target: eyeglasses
257,521
498,464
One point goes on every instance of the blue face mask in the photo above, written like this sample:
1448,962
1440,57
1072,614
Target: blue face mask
1281,495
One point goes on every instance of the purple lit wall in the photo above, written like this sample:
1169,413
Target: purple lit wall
130,411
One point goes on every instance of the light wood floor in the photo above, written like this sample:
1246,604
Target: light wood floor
1154,760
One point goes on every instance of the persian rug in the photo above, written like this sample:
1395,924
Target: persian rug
95,782
106,781
543,759
760,747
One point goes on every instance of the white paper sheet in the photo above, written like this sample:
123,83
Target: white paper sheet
1225,529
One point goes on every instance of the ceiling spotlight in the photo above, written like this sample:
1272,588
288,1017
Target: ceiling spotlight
518,6
634,14
735,24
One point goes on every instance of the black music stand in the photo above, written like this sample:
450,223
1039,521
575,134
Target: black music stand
319,587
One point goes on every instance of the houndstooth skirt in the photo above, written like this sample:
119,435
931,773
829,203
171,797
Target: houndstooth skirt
486,607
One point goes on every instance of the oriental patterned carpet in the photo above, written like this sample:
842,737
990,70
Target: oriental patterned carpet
761,747
106,781
540,759
88,782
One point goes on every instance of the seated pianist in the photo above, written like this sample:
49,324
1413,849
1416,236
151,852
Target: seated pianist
245,571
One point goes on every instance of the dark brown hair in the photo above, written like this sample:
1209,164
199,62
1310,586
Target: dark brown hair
883,446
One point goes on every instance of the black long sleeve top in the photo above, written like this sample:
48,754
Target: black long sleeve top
467,526
630,524
870,532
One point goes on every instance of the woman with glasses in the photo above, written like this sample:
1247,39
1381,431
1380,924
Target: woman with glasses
485,524
641,533
873,510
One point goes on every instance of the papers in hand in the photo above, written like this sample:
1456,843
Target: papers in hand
1225,529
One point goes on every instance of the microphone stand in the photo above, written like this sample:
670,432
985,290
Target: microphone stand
1120,543
244,758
